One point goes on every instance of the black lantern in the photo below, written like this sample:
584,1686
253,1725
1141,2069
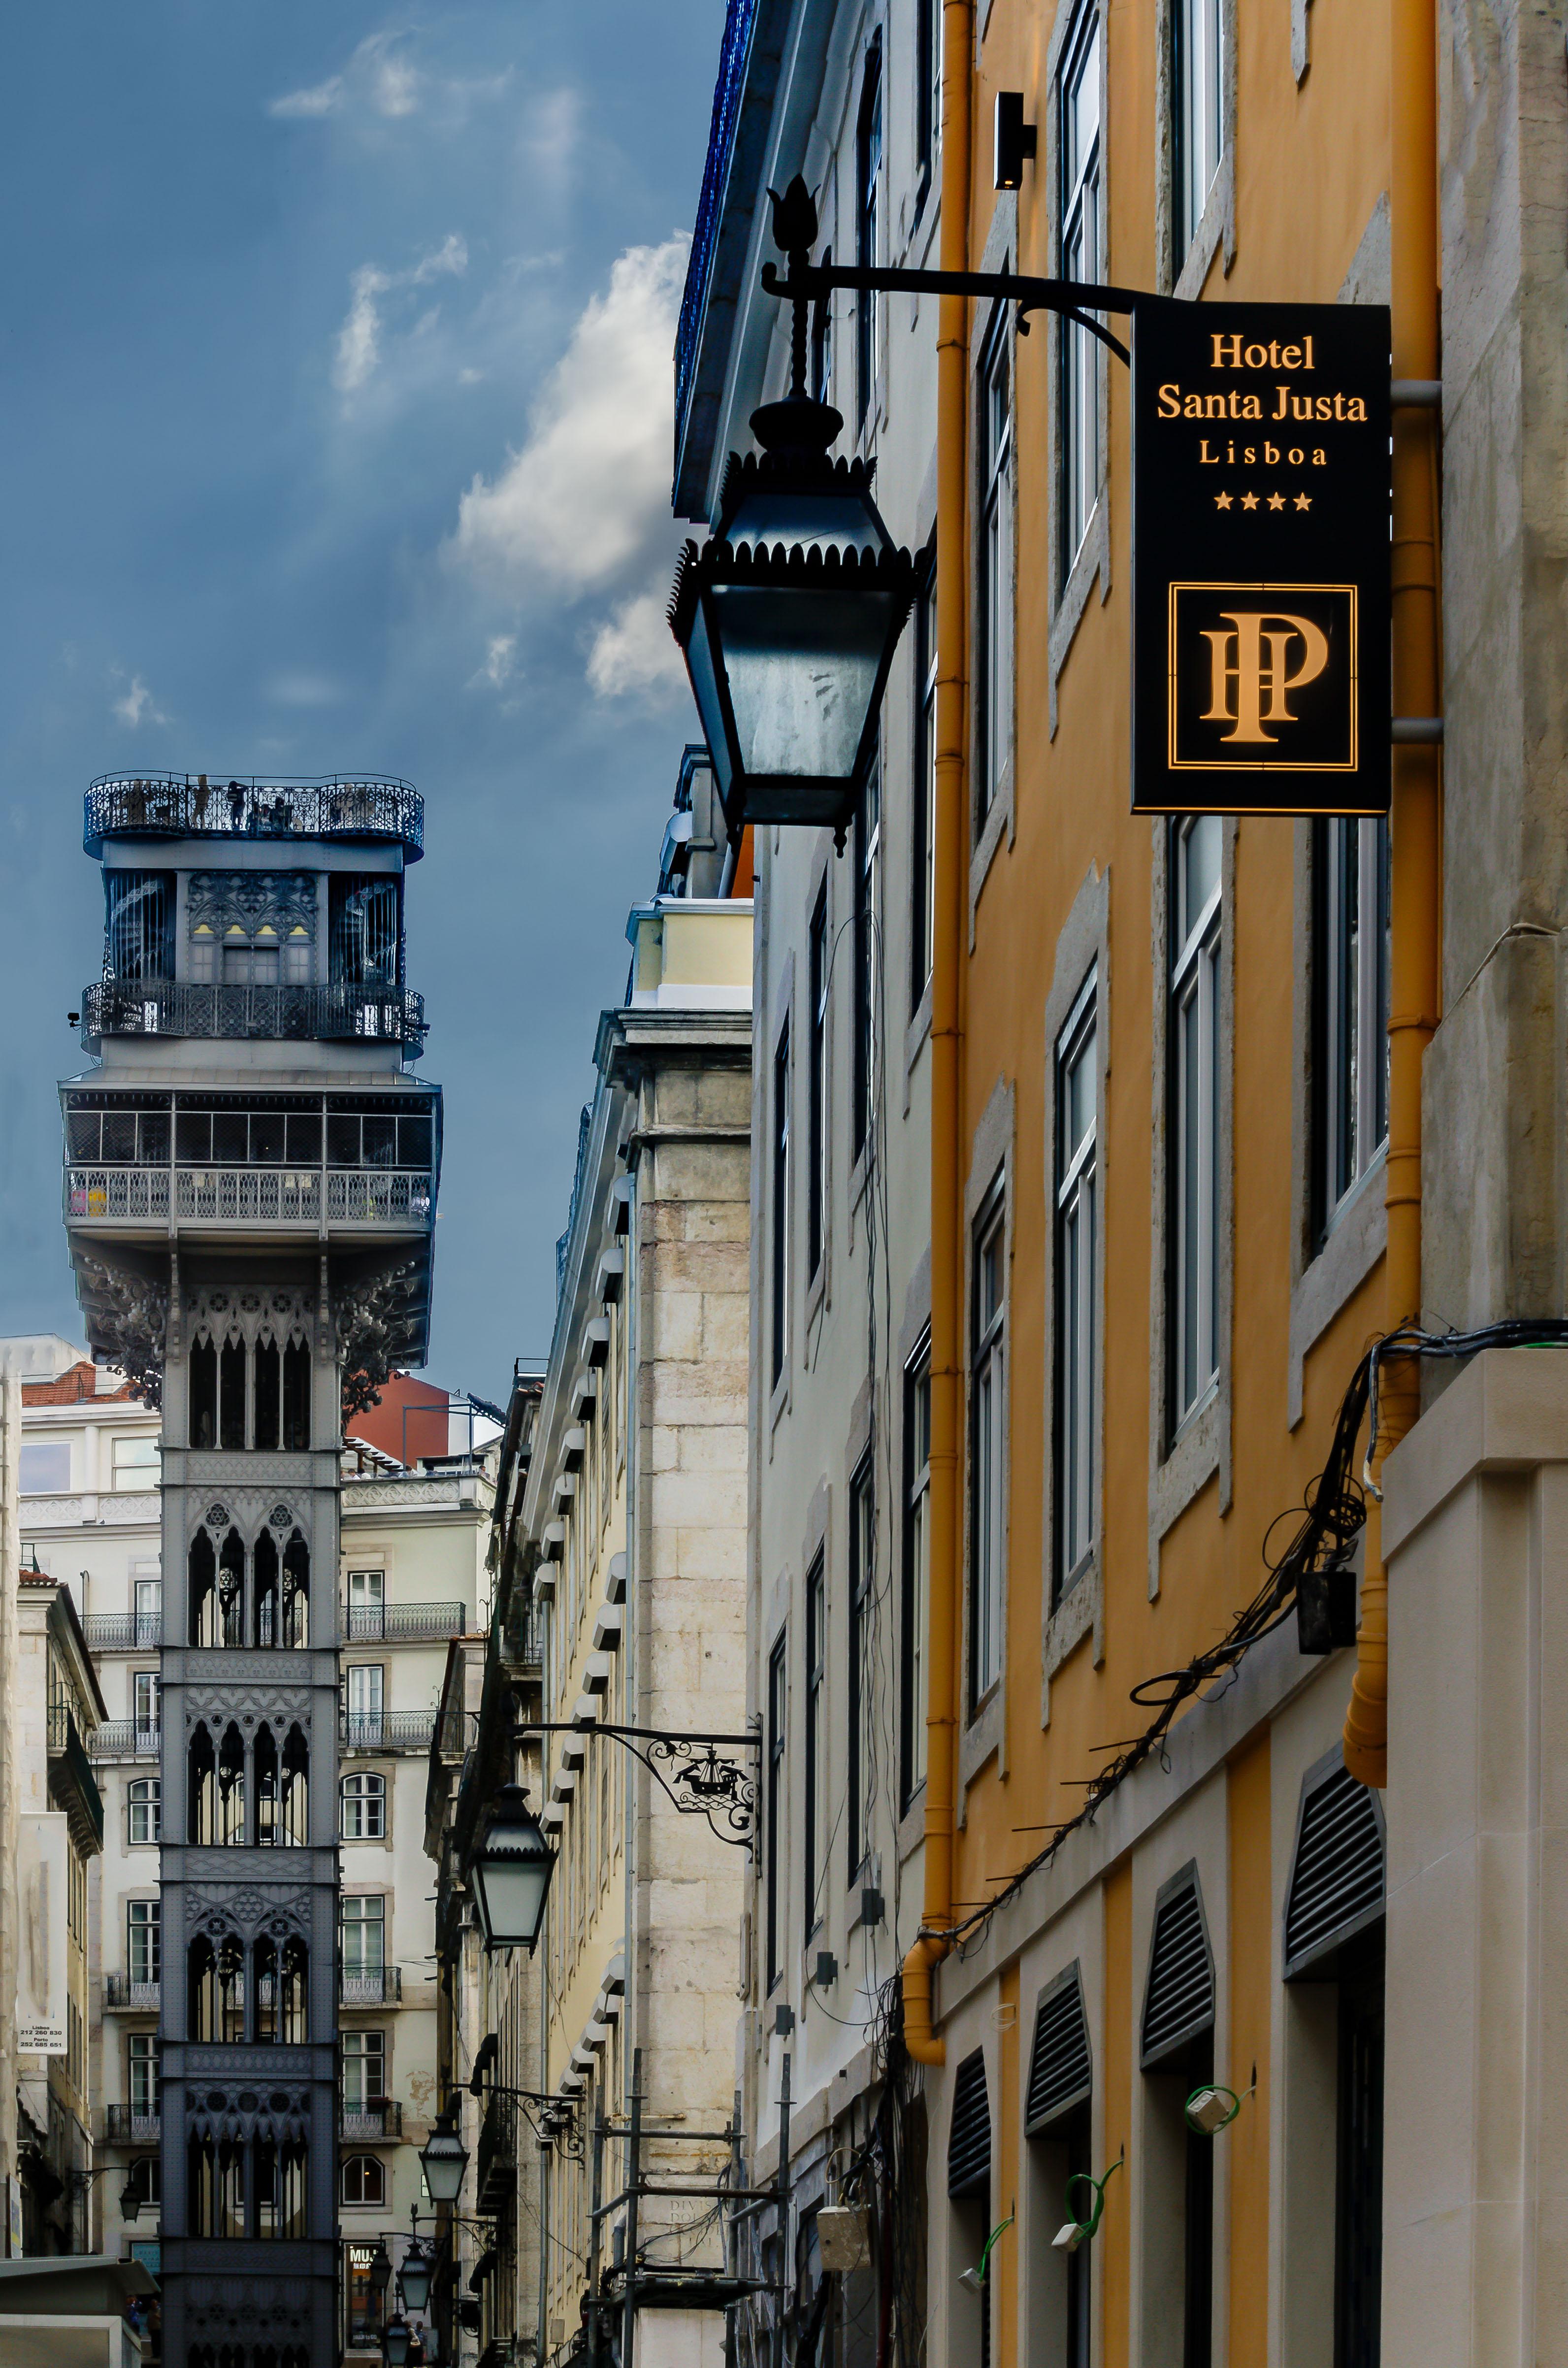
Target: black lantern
511,1871
788,615
394,2342
130,2199
414,2277
443,2158
379,2272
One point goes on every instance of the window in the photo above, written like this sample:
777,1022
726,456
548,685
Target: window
987,1512
363,1922
367,1593
778,1681
142,2068
144,1821
816,1739
993,705
136,1462
364,2069
1351,986
366,1684
364,2180
1077,1353
923,867
1198,44
252,961
862,1664
821,958
364,1808
822,343
147,1700
927,92
781,1208
143,1940
147,1600
868,908
1195,870
139,909
917,1567
46,1466
1078,144
867,182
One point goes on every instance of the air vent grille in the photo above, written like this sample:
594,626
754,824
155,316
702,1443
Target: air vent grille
1180,2000
1337,1883
1060,2068
969,2140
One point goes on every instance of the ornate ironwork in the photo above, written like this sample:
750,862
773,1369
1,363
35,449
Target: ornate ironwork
189,805
700,1783
169,1007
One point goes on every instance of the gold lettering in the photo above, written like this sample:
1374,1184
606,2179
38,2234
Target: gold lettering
1251,408
1319,458
1248,457
1290,357
1224,359
1257,358
1237,657
1270,456
1357,409
1308,364
1214,407
1324,406
1207,459
1295,456
1282,408
1193,408
1170,403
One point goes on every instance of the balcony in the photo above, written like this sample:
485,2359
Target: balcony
253,1196
380,1987
399,1730
175,805
381,1623
124,2126
121,1631
121,1738
496,2154
170,1006
123,1995
72,1784
379,2120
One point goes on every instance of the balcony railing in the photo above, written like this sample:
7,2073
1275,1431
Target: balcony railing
178,805
377,1624
124,2126
121,1631
382,1987
370,2121
121,1738
396,1730
183,1006
123,1995
67,1750
264,1196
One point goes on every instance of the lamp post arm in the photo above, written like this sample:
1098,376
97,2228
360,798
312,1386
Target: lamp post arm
1076,300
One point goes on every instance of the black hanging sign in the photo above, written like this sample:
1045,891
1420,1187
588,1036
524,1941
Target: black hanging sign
1260,558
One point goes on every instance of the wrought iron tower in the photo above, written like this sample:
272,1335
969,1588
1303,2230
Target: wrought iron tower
250,1193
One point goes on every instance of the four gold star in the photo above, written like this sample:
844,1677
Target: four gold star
1303,501
1249,501
1276,501
1221,501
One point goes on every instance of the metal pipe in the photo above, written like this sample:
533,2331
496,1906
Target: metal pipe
634,2180
596,2192
781,2205
1413,920
944,1654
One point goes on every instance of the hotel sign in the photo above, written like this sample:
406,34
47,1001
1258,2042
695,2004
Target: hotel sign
1260,558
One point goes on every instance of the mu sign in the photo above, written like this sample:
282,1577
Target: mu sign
1260,558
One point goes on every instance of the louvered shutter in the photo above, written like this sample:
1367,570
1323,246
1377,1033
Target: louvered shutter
969,2139
1059,2065
1337,1877
1179,2001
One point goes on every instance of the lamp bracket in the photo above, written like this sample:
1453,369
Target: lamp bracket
699,1780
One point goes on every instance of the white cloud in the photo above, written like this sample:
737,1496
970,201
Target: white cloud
321,98
360,338
379,77
635,653
136,705
583,500
500,659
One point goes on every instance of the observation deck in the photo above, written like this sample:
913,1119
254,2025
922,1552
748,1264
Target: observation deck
362,808
334,1014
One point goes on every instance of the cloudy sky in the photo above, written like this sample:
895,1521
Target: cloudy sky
337,434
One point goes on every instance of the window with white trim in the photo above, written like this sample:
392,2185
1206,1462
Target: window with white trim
780,1241
917,1567
988,1403
364,2180
1077,1347
994,686
143,1940
364,1808
1078,148
1197,129
862,1662
816,1742
363,1923
1350,994
1193,1132
923,902
143,1809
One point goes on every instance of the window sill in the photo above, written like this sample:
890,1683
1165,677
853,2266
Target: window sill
1078,1613
1194,1460
1356,1240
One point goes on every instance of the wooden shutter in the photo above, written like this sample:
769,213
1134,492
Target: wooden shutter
969,2139
1060,2068
1179,2001
1337,1875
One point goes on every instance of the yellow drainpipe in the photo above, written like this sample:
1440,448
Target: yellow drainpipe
944,1656
1414,822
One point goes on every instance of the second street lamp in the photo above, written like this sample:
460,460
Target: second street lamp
788,615
443,2158
510,1870
414,2277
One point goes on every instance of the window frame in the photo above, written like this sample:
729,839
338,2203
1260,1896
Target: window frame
150,1806
914,1675
867,900
923,860
137,1463
1350,1008
372,1793
363,1925
363,2044
986,1618
143,2052
780,1280
819,973
1197,147
862,1505
994,567
777,1740
1194,983
363,2202
815,1855
149,1925
1081,205
1075,1267
870,141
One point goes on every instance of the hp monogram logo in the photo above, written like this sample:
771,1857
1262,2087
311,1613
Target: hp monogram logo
1262,677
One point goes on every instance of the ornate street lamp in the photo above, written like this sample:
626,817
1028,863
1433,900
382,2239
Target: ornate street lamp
394,2342
380,2269
788,615
443,2158
511,1869
414,2277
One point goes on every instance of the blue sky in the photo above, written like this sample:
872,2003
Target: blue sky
335,395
